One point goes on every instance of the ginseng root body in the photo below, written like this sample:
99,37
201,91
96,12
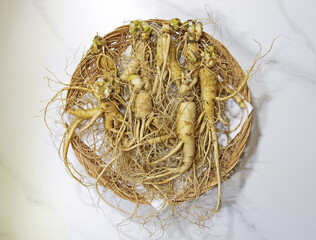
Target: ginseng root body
166,60
111,119
208,82
185,128
186,118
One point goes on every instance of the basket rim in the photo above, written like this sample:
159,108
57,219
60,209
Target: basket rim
241,138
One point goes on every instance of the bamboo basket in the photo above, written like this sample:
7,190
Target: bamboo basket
87,69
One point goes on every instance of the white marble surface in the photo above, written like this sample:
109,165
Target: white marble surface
274,194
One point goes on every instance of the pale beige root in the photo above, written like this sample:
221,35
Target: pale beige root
176,70
155,140
185,128
84,114
105,64
113,118
137,84
109,72
92,120
208,82
209,96
141,32
98,45
162,50
143,105
216,159
166,58
104,61
143,108
239,100
67,141
110,111
248,74
192,55
134,64
176,149
209,90
131,68
106,108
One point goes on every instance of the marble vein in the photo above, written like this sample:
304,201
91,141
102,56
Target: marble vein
296,29
48,20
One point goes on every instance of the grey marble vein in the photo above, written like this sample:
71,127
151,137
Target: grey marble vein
49,21
298,30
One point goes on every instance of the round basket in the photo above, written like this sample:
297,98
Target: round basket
118,41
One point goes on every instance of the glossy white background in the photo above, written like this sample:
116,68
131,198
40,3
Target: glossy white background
274,191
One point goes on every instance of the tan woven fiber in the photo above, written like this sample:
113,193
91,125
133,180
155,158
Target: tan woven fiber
87,71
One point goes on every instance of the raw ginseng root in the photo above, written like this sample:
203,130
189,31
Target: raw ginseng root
185,129
205,72
209,82
108,108
143,107
140,32
192,56
166,59
209,90
112,118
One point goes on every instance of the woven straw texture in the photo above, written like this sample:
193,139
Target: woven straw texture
118,40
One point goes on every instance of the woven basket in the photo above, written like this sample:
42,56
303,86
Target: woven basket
87,69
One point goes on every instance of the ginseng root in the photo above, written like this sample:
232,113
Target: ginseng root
192,55
108,109
208,82
143,108
166,59
185,129
209,89
141,32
